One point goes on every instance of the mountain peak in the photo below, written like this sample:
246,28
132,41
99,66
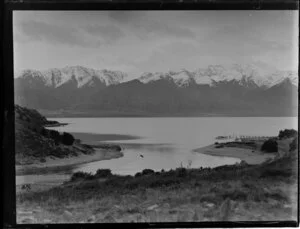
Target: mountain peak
182,78
55,77
252,75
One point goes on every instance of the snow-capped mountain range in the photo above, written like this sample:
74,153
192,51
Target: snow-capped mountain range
250,75
83,76
245,75
246,90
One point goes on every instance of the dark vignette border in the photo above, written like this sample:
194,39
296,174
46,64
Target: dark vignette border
7,93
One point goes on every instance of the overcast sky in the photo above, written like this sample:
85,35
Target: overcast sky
140,41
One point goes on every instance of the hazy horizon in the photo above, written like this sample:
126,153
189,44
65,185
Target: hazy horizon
154,41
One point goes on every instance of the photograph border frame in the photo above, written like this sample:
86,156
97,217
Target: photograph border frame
7,92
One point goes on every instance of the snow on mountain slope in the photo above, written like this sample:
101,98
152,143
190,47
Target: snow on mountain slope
148,77
251,75
83,76
247,75
182,78
111,77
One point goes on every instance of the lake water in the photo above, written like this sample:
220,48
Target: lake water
168,143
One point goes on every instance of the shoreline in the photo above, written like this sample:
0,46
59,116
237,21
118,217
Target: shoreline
65,165
55,170
250,156
56,124
93,138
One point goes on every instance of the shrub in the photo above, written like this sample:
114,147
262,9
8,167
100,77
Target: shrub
276,173
54,134
42,160
103,173
147,171
181,172
44,132
81,175
270,146
138,174
287,133
236,194
294,144
210,197
67,139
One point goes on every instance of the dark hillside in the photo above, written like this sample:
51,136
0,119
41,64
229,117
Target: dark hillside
34,143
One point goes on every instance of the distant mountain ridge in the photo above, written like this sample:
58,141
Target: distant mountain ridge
81,75
236,90
247,75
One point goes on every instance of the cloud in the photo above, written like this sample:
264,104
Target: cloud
154,40
172,56
243,41
108,32
146,26
53,34
161,29
124,17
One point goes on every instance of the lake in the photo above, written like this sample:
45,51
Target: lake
168,143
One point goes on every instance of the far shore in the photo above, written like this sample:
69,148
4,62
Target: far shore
248,155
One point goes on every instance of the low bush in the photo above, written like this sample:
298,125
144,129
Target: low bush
211,197
276,173
67,139
235,194
103,173
154,182
44,132
287,133
294,144
181,172
138,174
81,175
270,146
54,134
42,160
147,172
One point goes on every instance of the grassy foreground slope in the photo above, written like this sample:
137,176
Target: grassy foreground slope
228,193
